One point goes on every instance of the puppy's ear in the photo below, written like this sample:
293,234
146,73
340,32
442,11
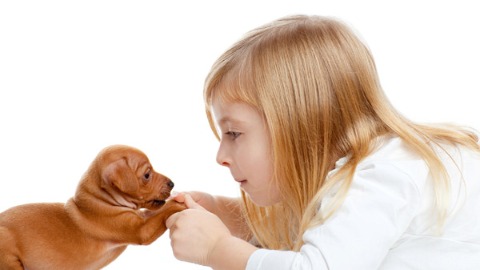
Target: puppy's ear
120,175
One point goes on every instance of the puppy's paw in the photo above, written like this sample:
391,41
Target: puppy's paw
171,207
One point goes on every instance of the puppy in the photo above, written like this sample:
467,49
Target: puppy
120,200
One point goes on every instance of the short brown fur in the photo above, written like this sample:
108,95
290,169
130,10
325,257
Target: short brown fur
119,201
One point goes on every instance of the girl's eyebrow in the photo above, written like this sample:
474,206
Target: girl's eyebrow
228,119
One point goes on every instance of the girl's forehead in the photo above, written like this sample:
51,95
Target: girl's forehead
234,112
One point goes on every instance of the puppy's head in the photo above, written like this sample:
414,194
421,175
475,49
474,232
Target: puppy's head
129,178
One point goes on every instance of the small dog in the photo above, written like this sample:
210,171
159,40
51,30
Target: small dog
120,200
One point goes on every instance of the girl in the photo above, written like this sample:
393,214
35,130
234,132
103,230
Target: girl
332,176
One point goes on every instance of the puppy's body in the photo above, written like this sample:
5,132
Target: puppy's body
119,201
50,240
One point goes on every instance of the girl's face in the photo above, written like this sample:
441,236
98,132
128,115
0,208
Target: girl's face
245,149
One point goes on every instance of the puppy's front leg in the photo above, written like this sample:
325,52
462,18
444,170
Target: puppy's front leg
155,226
9,259
9,262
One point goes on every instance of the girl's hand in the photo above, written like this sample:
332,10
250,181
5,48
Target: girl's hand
195,233
229,210
206,200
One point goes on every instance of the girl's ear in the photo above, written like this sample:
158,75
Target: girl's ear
118,174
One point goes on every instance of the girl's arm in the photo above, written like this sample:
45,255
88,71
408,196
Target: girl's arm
229,210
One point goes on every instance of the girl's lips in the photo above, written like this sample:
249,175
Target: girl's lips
241,181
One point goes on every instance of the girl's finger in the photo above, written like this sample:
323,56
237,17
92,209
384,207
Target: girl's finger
171,220
190,203
177,196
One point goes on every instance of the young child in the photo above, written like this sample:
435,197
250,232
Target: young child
332,176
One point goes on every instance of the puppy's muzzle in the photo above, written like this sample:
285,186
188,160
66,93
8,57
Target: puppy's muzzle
160,202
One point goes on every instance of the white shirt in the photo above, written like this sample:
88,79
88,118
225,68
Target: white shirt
386,220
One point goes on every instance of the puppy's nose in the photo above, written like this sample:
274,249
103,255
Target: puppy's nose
170,184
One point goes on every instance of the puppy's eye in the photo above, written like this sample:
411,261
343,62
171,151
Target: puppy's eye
146,176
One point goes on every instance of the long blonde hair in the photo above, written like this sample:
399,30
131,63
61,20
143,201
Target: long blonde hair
316,85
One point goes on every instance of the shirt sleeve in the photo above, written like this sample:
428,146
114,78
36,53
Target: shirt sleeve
381,202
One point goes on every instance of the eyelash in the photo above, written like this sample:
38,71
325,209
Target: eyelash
233,134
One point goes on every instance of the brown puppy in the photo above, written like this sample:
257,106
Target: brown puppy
119,201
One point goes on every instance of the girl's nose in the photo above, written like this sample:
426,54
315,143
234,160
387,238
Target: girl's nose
222,157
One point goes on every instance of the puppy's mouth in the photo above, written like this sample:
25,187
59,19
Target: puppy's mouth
153,204
157,203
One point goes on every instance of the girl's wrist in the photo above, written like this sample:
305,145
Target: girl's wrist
230,253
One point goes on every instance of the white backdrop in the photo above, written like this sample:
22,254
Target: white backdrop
76,76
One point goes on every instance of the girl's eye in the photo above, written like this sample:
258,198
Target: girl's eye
233,134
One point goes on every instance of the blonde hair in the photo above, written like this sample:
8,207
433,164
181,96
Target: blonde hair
316,85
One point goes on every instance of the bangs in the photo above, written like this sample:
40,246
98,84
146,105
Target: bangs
232,83
230,80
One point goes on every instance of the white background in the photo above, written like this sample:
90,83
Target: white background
76,76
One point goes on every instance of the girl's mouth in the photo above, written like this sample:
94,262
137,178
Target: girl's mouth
242,182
